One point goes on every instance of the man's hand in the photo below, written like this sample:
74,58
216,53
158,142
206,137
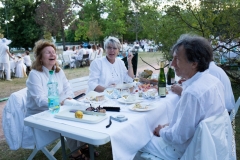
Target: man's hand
176,89
158,128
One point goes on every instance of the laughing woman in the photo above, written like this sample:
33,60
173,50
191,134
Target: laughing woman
37,94
109,70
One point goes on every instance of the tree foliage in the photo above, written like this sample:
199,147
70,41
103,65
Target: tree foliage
21,27
54,15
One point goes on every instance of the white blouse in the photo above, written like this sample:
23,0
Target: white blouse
37,94
104,73
202,97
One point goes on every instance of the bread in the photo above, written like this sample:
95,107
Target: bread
79,114
99,98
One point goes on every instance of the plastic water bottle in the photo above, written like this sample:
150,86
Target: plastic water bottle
53,96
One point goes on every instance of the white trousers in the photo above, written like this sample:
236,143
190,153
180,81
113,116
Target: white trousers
6,67
156,146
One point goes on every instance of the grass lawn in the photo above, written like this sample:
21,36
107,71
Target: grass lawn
105,150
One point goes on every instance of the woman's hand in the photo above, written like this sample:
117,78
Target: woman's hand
129,57
62,103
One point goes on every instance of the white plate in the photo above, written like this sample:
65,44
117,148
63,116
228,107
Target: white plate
88,117
92,94
121,100
149,107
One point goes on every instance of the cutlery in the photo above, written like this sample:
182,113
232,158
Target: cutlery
110,122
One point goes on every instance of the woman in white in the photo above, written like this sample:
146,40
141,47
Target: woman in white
20,67
100,51
37,94
109,70
94,53
27,61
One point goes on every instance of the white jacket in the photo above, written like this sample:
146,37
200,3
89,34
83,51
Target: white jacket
17,135
213,140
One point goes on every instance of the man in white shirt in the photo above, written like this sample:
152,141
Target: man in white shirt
222,76
4,57
202,97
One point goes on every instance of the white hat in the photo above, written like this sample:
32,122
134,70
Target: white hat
19,55
6,41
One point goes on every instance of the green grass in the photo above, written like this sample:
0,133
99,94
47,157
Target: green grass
105,150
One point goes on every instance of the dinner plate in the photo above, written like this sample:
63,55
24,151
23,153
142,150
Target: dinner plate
145,107
121,100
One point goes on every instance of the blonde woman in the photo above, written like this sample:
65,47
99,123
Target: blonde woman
37,94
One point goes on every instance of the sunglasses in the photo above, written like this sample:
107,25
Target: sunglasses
97,109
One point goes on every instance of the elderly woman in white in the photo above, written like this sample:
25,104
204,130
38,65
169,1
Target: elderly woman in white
109,70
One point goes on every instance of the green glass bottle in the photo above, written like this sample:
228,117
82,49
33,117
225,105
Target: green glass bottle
161,81
172,75
169,74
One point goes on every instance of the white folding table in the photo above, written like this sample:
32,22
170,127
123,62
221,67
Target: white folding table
124,136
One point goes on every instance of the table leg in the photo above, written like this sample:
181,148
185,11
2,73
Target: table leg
91,151
64,155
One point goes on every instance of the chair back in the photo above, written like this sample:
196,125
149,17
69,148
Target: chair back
13,122
213,139
235,110
66,58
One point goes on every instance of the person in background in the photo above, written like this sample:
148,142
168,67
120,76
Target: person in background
93,54
80,54
4,58
109,70
100,51
202,97
37,94
222,76
89,52
27,61
20,67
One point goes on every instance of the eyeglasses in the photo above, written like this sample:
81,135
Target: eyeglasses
97,109
111,48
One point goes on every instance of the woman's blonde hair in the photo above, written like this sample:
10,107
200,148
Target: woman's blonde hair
37,50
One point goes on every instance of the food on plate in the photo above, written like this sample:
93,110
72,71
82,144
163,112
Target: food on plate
97,98
140,106
146,73
79,114
102,110
144,87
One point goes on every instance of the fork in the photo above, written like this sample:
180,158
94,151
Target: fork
110,122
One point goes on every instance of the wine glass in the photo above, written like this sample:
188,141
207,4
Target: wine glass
125,92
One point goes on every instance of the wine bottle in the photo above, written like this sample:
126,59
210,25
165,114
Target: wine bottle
172,75
169,74
161,81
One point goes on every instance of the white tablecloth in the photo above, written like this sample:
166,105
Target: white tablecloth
129,136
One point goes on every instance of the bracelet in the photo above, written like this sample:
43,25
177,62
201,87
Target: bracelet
130,66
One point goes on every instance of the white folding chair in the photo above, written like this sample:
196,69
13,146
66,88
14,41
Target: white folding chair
213,138
16,133
67,60
235,110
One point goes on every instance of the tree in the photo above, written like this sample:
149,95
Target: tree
94,31
209,19
21,27
54,15
115,23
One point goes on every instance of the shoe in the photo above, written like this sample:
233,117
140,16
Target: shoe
9,79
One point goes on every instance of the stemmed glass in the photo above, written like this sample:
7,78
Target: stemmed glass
125,93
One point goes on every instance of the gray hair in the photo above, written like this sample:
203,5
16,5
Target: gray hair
112,41
197,49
